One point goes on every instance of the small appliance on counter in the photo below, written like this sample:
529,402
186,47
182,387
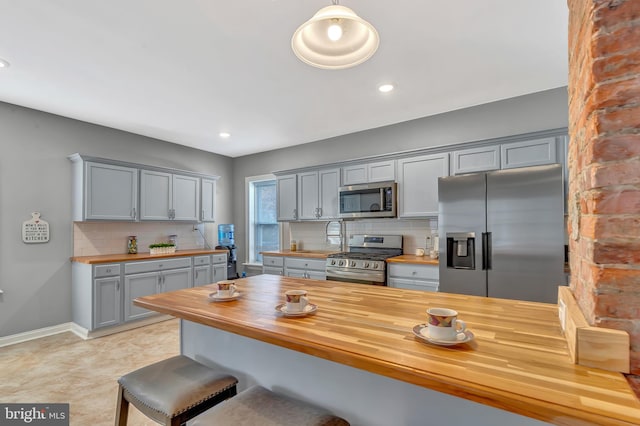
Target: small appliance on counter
226,241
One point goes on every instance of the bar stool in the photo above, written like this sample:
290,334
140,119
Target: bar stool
259,406
172,391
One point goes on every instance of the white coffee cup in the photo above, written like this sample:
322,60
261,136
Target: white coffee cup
419,252
296,300
226,288
443,324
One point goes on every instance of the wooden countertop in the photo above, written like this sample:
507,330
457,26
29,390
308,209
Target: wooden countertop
413,259
518,361
125,257
311,254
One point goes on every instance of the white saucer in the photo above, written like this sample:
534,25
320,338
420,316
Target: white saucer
213,297
309,309
421,331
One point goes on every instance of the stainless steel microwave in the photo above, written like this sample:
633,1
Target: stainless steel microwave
368,200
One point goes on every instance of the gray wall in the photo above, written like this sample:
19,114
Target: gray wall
35,175
536,112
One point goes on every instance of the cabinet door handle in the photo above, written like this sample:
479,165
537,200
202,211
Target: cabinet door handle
117,285
133,213
202,214
319,211
197,273
295,213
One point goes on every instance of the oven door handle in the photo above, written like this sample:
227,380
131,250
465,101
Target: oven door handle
371,276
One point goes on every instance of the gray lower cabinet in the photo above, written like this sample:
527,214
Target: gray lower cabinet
201,270
273,265
413,276
299,267
150,277
106,309
219,267
96,295
201,275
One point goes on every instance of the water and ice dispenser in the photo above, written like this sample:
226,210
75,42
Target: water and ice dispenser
461,250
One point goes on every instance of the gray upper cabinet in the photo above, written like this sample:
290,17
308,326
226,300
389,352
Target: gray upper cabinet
418,184
208,200
104,191
155,195
318,194
287,187
166,196
186,198
328,183
379,171
308,195
528,153
475,160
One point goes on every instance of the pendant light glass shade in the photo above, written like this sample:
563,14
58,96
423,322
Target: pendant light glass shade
319,43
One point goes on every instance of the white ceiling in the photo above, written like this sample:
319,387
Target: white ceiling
183,71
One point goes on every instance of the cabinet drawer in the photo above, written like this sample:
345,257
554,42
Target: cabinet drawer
156,265
413,284
219,258
106,270
301,263
201,260
272,261
423,272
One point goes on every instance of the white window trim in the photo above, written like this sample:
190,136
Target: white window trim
248,201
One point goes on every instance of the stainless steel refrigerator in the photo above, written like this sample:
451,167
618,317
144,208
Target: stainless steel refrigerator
502,233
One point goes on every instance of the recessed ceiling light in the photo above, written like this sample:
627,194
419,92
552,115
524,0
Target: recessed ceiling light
384,88
3,63
224,135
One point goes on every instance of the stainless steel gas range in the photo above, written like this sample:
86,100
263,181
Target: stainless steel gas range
365,261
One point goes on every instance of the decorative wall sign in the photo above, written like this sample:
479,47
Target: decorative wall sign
35,230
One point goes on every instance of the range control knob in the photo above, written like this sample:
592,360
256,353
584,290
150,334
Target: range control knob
333,262
375,265
341,263
366,264
353,263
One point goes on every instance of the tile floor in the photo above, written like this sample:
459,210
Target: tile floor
66,369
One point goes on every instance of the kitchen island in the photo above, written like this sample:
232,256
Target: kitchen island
357,355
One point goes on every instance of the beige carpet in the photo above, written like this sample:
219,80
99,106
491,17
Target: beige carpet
84,373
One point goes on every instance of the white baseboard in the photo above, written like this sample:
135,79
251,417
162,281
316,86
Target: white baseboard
79,331
86,334
34,334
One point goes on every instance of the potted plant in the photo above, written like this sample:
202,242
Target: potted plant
162,248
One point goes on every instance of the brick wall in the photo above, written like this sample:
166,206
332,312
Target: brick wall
604,163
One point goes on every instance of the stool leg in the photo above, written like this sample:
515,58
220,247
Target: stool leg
122,409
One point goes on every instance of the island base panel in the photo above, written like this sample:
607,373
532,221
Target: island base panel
362,398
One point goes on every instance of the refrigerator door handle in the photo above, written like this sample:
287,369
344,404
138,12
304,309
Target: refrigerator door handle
486,250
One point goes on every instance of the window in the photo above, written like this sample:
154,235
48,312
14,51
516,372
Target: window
264,229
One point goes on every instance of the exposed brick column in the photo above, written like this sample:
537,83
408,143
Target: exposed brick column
604,163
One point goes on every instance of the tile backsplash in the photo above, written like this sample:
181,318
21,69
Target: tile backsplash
92,238
312,235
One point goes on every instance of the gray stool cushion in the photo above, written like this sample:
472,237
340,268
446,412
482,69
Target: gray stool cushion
258,406
174,385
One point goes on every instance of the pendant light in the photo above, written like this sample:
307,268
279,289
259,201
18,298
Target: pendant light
334,38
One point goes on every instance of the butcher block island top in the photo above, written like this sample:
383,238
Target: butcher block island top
518,360
125,257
